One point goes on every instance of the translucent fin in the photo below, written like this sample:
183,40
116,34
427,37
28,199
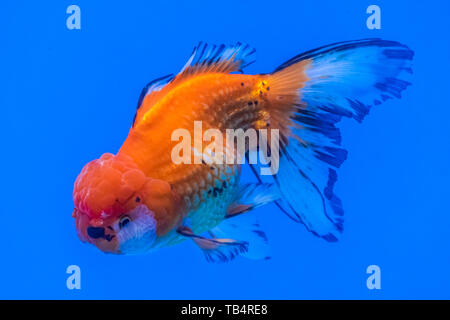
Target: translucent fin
151,87
343,79
347,78
246,227
253,195
216,250
217,58
205,58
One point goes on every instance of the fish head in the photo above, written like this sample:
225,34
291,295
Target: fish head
120,210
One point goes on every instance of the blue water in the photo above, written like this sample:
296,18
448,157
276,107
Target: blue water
67,96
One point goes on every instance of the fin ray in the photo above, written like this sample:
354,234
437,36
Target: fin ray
150,88
246,228
340,80
252,195
213,58
215,249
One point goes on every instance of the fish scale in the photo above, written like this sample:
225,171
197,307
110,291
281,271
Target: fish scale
212,206
221,102
213,199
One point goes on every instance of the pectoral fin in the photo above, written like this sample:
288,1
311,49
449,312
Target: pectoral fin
216,250
246,227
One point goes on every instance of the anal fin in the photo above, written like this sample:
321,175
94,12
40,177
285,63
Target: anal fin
216,250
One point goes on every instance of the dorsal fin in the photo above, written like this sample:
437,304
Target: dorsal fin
153,86
204,58
218,58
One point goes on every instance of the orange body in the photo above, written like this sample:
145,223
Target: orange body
143,171
144,198
218,100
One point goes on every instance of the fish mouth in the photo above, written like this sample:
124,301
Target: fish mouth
104,241
99,233
104,238
136,236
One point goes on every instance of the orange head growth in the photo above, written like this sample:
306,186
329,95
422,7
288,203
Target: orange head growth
121,210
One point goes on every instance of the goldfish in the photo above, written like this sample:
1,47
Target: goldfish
140,199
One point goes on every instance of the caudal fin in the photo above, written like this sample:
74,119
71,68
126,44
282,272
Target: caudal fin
309,94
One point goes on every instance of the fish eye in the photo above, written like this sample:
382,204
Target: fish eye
124,221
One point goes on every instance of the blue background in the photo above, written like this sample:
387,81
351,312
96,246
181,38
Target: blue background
67,96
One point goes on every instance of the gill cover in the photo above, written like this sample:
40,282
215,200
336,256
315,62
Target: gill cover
138,235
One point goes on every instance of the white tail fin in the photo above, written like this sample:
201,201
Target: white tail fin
340,80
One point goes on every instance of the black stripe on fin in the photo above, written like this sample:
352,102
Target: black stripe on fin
154,85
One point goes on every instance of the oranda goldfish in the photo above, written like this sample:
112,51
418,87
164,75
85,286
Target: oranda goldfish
139,200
